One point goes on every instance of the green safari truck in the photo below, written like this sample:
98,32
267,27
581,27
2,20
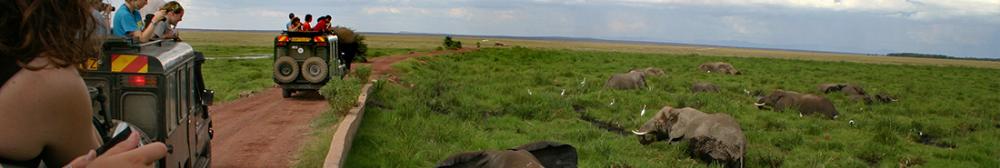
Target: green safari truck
157,87
305,61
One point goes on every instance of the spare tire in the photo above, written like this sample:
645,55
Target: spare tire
315,69
285,69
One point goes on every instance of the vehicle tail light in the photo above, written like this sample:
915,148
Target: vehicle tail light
140,81
282,40
320,41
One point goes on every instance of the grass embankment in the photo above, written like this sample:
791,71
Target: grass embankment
342,96
481,101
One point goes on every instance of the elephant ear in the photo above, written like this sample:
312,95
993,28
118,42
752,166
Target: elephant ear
782,101
462,160
552,154
676,125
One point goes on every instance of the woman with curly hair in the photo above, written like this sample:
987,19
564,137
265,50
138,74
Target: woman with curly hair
46,112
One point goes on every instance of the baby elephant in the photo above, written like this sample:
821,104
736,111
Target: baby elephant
806,104
719,67
855,93
631,80
704,87
532,155
650,71
713,137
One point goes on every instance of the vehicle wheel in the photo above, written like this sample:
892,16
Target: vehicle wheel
314,69
285,93
285,69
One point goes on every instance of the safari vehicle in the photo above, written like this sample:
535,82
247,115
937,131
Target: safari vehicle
157,87
303,60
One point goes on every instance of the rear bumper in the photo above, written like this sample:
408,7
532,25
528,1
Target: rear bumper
294,86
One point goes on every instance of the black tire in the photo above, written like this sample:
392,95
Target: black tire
286,93
315,69
285,69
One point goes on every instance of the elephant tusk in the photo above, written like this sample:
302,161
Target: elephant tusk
639,133
758,104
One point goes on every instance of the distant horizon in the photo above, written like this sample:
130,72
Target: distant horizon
601,39
957,28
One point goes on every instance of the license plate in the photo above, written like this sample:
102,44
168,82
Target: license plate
301,39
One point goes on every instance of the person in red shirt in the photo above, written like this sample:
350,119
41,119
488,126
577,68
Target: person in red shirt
306,26
320,24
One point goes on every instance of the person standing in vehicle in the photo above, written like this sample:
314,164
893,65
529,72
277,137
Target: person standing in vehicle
174,13
295,26
47,110
102,12
127,20
290,17
322,25
307,26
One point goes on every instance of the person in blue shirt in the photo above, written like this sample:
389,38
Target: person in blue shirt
128,21
290,17
127,18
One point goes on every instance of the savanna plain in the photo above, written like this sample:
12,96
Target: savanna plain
530,90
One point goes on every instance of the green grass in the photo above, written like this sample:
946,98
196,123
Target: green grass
228,78
342,95
217,51
378,52
480,101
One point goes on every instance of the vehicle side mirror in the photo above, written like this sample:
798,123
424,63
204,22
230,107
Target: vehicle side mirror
207,97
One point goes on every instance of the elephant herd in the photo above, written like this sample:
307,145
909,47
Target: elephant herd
711,136
718,136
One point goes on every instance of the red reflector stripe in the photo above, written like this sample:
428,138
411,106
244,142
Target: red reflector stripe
136,65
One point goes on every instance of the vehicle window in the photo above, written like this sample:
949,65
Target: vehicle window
182,97
171,103
192,91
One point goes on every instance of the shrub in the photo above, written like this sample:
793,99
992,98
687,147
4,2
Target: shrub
362,54
451,44
363,72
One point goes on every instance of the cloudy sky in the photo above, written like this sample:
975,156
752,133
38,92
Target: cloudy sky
966,28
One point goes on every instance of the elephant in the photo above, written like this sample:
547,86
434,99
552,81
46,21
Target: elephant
713,137
704,87
830,87
630,80
855,93
650,71
720,67
806,104
537,154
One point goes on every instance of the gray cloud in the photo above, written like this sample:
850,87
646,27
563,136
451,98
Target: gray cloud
959,27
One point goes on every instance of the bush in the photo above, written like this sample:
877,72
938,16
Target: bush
362,54
363,72
451,44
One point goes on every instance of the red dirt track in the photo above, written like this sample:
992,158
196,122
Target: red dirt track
266,130
263,130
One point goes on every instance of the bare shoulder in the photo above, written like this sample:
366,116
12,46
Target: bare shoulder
38,96
45,91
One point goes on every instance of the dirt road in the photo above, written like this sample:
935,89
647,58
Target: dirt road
266,130
263,130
